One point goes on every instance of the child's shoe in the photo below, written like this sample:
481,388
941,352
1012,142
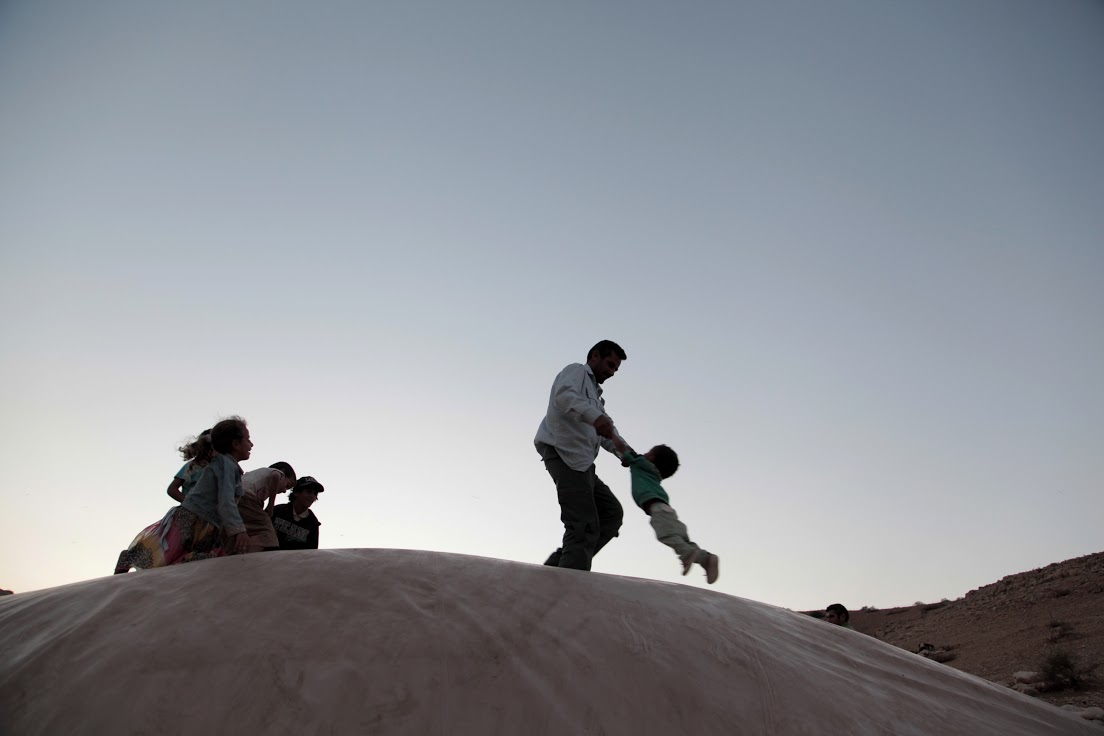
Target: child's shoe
689,560
712,565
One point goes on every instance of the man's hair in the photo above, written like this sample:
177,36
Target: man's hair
605,347
665,459
226,432
839,610
285,469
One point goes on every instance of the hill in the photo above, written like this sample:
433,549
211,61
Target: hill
1015,624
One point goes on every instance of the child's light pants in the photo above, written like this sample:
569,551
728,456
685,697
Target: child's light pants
670,530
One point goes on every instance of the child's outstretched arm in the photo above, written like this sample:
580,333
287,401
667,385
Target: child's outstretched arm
620,447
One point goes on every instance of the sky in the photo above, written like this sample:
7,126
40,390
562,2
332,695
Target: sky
853,251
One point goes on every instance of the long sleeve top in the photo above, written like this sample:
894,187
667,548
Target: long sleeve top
646,483
573,404
214,498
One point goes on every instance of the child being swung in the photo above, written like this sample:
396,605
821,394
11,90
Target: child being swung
648,470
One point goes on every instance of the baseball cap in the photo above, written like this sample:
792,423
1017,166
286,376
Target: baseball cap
308,483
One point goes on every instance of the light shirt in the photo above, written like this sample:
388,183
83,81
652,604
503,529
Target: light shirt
255,483
573,404
215,495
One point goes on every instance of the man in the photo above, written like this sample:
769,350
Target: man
296,525
838,615
567,440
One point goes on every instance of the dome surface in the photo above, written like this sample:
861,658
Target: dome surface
375,641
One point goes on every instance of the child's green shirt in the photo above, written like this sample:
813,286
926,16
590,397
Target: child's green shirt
645,480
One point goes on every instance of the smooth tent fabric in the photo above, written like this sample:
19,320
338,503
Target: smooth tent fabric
408,642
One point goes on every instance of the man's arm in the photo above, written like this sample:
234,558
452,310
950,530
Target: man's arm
570,396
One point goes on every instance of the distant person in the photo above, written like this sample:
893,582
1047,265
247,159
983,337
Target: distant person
147,549
660,463
837,614
259,490
573,428
295,522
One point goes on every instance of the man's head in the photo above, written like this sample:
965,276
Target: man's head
837,614
604,359
664,458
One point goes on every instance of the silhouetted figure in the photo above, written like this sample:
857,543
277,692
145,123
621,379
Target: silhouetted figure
573,428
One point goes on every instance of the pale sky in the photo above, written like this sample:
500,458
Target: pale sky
853,250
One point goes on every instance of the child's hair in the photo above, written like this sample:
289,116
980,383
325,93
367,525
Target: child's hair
226,432
285,469
199,449
665,459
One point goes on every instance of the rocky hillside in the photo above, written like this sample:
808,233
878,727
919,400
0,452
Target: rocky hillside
1021,623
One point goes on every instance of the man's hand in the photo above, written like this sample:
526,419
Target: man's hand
603,425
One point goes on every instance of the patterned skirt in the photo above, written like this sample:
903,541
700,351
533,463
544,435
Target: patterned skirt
180,536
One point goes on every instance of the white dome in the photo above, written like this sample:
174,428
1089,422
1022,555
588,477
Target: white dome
407,642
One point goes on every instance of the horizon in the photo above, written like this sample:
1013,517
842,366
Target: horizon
853,255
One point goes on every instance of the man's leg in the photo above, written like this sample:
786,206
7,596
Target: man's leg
610,513
575,491
548,452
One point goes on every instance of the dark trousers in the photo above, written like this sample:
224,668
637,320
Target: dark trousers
590,513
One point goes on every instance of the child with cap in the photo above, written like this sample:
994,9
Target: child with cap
295,523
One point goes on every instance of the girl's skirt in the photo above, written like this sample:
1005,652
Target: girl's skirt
180,536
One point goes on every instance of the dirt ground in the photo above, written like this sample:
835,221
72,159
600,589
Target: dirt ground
1012,625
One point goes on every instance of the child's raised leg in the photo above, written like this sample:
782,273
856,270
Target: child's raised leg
673,533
